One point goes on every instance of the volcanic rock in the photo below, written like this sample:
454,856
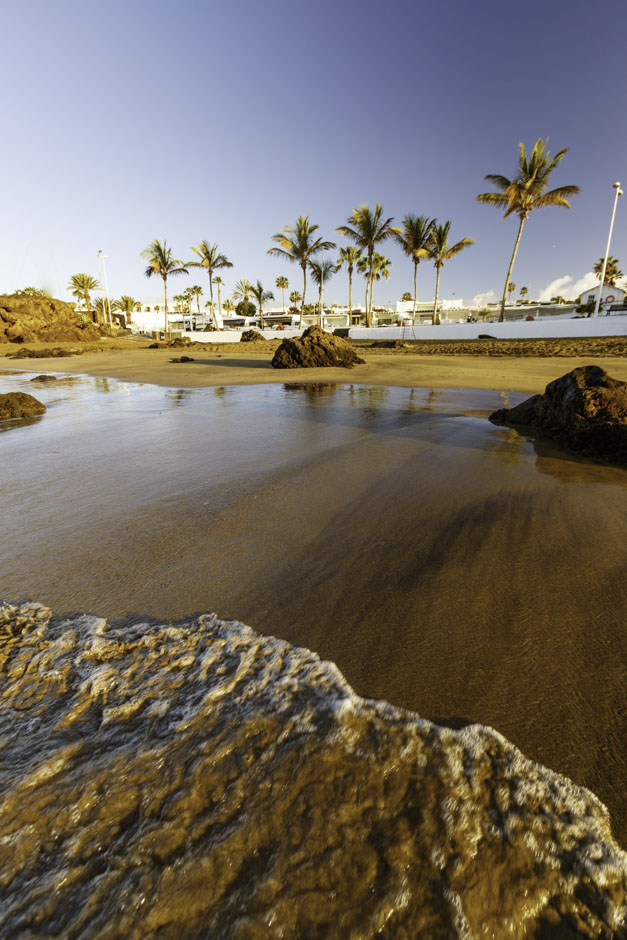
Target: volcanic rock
27,319
584,410
251,336
55,353
183,359
20,405
48,379
486,336
313,349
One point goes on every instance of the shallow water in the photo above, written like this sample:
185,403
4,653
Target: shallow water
464,571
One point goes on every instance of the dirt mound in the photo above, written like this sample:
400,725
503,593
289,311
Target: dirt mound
252,336
584,410
20,405
25,319
313,349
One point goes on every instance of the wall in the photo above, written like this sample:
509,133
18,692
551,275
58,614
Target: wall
235,336
616,325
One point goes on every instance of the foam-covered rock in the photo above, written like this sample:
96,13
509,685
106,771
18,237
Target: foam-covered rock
315,348
584,410
198,779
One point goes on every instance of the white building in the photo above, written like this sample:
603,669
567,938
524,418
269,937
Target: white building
609,296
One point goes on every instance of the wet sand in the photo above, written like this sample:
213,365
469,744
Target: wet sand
464,571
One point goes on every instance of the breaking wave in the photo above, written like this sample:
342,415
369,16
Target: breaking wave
198,779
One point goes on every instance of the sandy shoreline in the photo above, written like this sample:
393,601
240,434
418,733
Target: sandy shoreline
251,366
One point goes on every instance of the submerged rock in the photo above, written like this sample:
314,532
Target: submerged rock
313,349
252,336
20,405
584,410
198,779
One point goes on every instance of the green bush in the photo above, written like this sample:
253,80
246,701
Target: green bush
245,309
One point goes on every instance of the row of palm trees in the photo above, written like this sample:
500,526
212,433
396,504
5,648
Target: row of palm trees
420,237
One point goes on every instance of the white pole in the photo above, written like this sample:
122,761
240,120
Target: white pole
106,287
104,318
321,284
619,192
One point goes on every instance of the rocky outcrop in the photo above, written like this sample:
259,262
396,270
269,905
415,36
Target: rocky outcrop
315,348
55,353
252,336
584,410
26,319
19,405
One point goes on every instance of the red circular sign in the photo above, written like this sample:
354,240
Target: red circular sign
610,299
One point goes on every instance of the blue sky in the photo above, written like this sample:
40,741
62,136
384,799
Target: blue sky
130,121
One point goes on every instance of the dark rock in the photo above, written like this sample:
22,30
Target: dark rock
315,348
251,336
486,336
44,378
183,359
19,405
584,410
56,353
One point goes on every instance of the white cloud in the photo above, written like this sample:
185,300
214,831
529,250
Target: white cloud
557,286
488,297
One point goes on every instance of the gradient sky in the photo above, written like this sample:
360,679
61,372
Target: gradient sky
129,121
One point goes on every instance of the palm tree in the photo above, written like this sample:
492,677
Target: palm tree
195,291
297,244
261,295
523,293
526,192
511,287
229,306
126,305
219,282
212,260
295,298
612,270
367,228
414,239
321,272
161,263
439,252
81,285
379,268
282,283
349,256
242,290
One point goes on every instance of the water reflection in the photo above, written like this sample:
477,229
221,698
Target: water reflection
508,446
9,424
316,390
104,385
176,397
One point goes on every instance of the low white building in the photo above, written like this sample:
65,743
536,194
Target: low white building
609,295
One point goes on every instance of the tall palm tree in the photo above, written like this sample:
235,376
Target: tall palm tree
81,285
511,287
367,227
261,295
162,264
297,244
349,256
229,306
526,192
523,293
414,239
439,252
126,305
282,283
612,270
321,272
212,260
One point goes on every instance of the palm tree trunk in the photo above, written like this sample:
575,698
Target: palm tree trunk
302,305
413,316
509,270
436,320
369,304
219,304
283,296
211,297
366,305
350,297
260,315
165,309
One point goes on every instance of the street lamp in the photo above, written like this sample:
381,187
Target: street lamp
619,192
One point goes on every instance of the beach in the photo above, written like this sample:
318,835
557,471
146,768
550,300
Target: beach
466,572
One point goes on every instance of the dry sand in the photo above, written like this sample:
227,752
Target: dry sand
520,366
